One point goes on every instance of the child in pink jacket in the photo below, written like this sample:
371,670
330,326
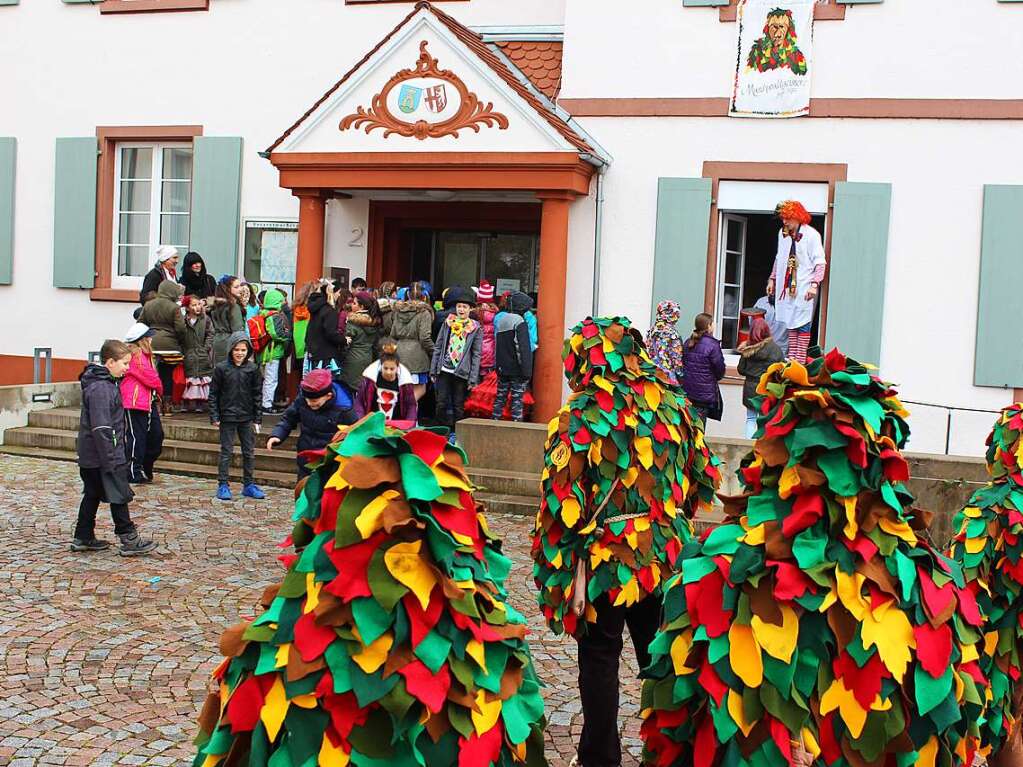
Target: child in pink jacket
141,390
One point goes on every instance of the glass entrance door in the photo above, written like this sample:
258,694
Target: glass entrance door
506,260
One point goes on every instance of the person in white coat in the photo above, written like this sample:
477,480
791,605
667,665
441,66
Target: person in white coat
797,275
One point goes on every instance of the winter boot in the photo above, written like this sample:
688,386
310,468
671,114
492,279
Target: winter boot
133,544
93,544
253,491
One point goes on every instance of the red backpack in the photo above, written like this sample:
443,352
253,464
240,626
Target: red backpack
258,334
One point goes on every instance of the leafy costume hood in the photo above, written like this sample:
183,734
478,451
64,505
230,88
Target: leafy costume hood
817,613
628,437
988,545
390,640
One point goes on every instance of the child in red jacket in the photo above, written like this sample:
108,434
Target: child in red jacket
141,390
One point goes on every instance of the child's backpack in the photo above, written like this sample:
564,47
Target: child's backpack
282,326
258,334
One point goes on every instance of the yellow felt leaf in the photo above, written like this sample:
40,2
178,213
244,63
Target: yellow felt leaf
850,592
368,520
928,754
448,477
308,700
556,562
641,524
744,655
645,451
680,651
892,633
652,393
212,760
990,642
810,742
975,545
275,707
281,658
336,481
603,383
488,714
812,394
788,481
898,529
841,698
674,433
411,570
796,373
594,455
735,710
669,505
632,540
973,511
331,755
851,528
475,650
969,653
630,476
599,554
629,594
829,599
777,641
570,512
754,536
312,593
373,657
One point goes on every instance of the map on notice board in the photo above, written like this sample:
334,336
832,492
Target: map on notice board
278,256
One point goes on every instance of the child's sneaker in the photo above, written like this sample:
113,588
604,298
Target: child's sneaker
224,492
133,544
452,439
253,491
93,544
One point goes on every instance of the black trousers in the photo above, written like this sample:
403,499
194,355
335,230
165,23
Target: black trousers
599,654
143,441
451,391
166,373
93,494
246,436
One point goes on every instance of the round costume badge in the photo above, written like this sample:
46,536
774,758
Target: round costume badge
560,455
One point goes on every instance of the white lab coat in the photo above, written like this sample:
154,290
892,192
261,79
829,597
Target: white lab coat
796,311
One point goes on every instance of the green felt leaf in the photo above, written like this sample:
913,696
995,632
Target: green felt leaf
433,651
930,692
418,480
842,477
370,618
339,662
387,591
374,737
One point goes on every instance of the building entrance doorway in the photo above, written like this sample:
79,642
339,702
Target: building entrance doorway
508,261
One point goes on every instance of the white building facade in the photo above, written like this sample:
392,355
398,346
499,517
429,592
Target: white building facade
578,149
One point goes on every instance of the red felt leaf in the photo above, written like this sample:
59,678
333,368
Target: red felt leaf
807,509
605,401
864,683
423,685
427,445
968,606
834,360
245,703
458,519
895,467
330,502
597,356
582,436
706,603
782,739
345,712
830,750
861,545
646,579
856,450
422,621
774,427
660,432
935,600
711,682
481,750
933,647
352,564
311,639
705,744
590,330
789,581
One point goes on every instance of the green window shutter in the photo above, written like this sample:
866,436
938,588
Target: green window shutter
216,202
8,161
74,213
8,2
680,244
83,2
858,2
859,252
703,3
999,355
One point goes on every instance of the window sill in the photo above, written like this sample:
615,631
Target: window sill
114,294
152,6
382,2
820,13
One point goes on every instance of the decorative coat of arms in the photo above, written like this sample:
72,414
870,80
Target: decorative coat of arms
430,102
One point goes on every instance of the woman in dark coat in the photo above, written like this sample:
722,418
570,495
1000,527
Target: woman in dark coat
324,344
195,278
703,365
165,268
363,331
757,355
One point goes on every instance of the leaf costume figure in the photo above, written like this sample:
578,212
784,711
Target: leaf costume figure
817,615
625,470
778,48
390,640
989,547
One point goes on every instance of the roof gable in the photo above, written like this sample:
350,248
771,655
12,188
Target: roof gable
430,80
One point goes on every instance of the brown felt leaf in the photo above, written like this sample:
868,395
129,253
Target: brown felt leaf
776,544
843,625
458,694
920,519
331,611
299,669
511,681
436,726
397,515
269,595
623,554
210,713
238,754
397,659
231,643
645,540
615,333
453,458
364,472
773,451
511,631
875,570
735,505
645,483
810,477
763,603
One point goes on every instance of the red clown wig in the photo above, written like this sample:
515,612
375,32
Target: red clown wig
793,209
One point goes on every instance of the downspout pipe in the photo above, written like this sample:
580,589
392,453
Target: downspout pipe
598,236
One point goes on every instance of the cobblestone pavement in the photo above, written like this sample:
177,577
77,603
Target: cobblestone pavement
105,659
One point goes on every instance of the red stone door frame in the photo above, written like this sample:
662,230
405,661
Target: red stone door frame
556,178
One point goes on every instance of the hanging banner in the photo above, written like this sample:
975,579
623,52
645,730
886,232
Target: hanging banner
775,58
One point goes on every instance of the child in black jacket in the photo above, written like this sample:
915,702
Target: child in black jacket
514,356
236,391
320,408
102,461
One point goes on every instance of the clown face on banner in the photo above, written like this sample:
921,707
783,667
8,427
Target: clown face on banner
774,60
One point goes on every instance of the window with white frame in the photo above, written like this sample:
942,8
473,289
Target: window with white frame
152,206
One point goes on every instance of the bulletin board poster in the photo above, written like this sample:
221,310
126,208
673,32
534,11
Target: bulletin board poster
774,63
278,257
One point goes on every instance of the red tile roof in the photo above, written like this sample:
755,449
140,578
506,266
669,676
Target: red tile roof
539,61
475,43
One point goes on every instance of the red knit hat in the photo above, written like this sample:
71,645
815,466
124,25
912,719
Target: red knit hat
485,292
316,383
